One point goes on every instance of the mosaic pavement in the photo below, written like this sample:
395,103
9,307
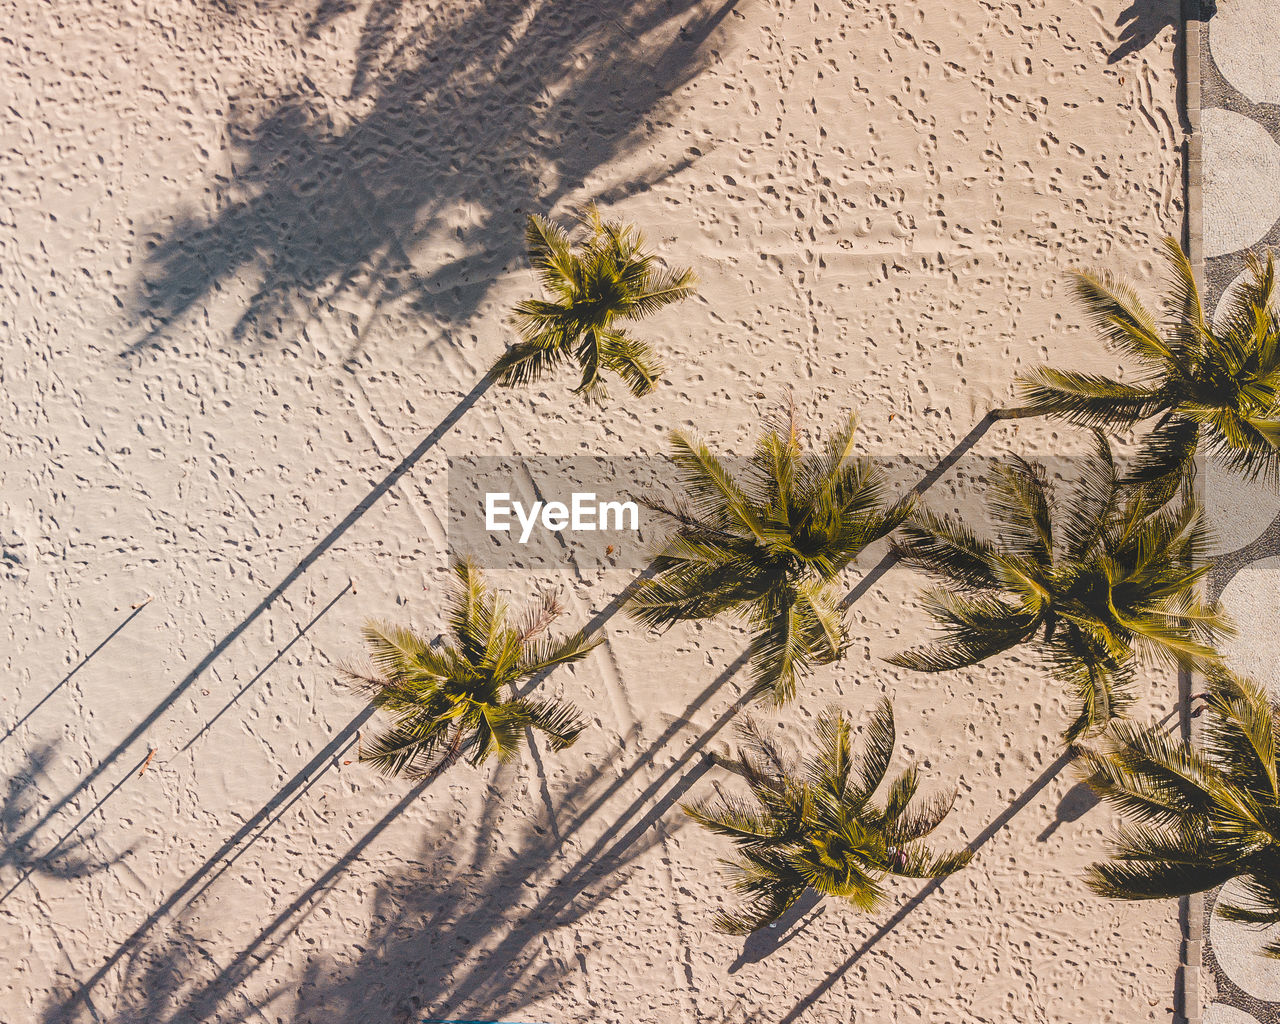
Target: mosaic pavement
1240,130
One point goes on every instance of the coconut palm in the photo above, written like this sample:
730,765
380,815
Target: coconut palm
815,824
1216,384
768,546
1201,814
1090,588
607,278
456,698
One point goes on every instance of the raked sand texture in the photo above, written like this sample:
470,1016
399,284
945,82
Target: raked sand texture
252,254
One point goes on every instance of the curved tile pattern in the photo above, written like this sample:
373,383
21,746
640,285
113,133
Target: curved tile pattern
1239,951
1234,34
1241,169
1240,122
1221,1013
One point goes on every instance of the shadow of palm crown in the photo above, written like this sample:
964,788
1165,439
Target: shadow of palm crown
461,118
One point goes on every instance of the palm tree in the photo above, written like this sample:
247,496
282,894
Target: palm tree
1217,385
1202,814
1112,577
768,548
608,277
456,698
815,825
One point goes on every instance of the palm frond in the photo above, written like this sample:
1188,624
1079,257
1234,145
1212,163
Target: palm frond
1119,316
972,630
662,288
395,650
550,254
1088,399
632,360
1166,453
560,721
918,861
1021,502
948,550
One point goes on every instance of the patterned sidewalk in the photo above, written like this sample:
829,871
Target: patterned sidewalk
1239,120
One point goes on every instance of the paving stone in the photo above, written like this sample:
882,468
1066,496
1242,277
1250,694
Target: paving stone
1239,949
1242,38
1241,168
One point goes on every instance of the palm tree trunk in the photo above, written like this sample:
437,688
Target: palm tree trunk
1016,412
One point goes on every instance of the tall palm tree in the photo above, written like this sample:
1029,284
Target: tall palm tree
1110,578
1219,385
609,277
768,547
456,698
814,824
1201,814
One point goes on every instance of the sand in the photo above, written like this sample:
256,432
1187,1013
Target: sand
252,254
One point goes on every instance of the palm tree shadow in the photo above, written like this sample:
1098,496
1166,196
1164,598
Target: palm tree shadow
1143,20
763,942
1078,801
430,925
473,115
73,856
440,929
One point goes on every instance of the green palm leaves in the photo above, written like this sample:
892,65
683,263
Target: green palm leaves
815,823
1201,815
607,278
455,699
1089,588
1219,384
768,545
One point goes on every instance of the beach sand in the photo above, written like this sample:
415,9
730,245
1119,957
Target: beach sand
253,253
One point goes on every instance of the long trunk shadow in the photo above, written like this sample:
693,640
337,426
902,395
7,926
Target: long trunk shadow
146,758
961,449
323,545
137,610
1001,820
302,631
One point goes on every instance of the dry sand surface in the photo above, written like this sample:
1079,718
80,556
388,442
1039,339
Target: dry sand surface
253,251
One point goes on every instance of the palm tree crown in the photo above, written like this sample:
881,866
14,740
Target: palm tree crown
814,824
1201,814
1216,384
768,546
456,698
608,277
1109,578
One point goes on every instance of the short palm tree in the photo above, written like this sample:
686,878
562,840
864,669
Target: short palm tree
815,824
456,698
1111,577
609,277
768,546
1216,385
1202,814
